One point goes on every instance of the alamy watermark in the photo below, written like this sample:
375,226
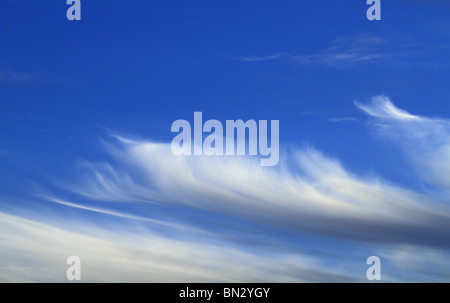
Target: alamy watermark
374,11
74,11
73,273
374,271
213,144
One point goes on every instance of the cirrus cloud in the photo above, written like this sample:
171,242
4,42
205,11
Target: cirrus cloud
189,218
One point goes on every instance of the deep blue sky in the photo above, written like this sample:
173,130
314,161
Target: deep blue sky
133,67
136,66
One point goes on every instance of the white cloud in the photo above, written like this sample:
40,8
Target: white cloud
424,140
382,107
35,252
344,52
342,119
309,196
417,263
307,192
341,57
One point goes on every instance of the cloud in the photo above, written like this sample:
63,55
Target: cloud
10,76
308,192
260,58
333,57
421,264
36,252
344,52
425,141
189,218
342,119
348,51
381,107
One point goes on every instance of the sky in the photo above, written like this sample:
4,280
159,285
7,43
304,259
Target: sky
86,167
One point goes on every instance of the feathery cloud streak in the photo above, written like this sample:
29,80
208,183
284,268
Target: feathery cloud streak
343,53
216,209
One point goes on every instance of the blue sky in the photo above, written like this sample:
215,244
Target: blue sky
85,164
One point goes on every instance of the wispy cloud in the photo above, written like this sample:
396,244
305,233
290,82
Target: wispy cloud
36,252
347,51
425,140
342,119
190,218
381,107
343,52
261,58
308,192
15,77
